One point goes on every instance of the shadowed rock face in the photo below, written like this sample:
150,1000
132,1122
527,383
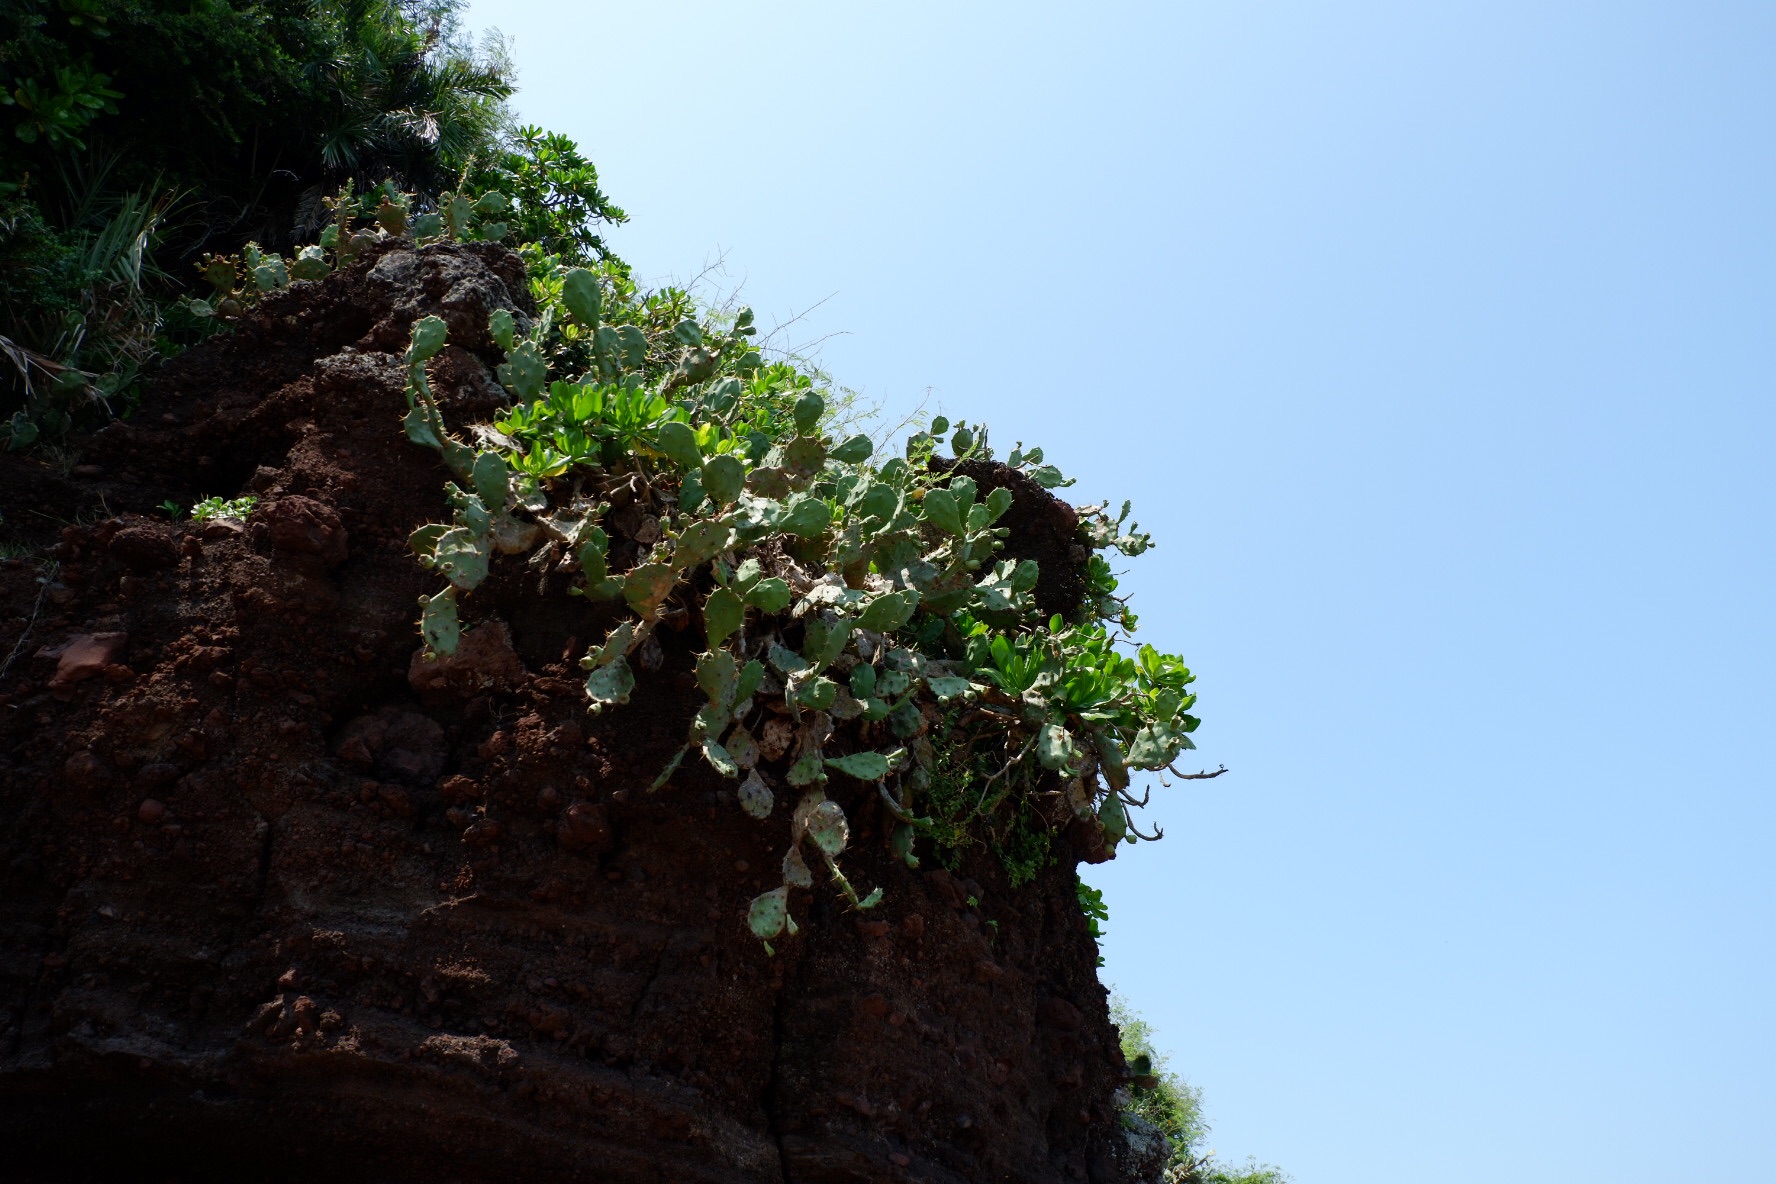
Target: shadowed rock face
276,899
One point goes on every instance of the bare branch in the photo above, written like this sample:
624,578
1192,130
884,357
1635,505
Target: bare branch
1155,837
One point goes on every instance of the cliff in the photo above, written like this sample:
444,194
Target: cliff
279,899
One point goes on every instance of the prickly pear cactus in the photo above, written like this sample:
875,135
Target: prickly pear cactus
846,603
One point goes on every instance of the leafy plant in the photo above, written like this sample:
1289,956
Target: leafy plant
856,616
57,109
1174,1107
213,507
216,507
554,193
1097,913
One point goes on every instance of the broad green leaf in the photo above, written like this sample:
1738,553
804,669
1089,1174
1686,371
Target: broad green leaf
579,291
865,766
889,612
823,641
676,440
647,586
723,614
795,869
718,675
817,693
425,540
1054,747
724,477
633,346
946,687
719,760
489,478
462,556
1110,758
592,554
853,451
610,685
702,541
310,264
1114,818
828,827
892,683
438,623
863,680
523,372
1155,747
769,482
808,410
804,457
808,769
904,721
614,646
879,501
769,596
786,660
742,747
688,332
755,796
748,682
768,912
941,512
997,503
420,428
806,516
502,328
712,719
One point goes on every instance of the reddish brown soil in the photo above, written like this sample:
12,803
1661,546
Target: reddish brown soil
269,908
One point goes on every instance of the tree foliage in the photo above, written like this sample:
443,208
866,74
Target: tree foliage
137,136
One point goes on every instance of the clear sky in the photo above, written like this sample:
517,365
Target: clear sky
1433,342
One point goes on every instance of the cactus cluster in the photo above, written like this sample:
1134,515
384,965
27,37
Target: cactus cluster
846,602
238,281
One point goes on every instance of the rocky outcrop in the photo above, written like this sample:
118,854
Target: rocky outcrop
278,900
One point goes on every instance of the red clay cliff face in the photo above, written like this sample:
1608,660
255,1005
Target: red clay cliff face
276,899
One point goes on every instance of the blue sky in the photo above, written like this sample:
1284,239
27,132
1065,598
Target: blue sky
1433,343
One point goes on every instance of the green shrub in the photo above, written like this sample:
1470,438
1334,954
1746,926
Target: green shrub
862,596
1174,1107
